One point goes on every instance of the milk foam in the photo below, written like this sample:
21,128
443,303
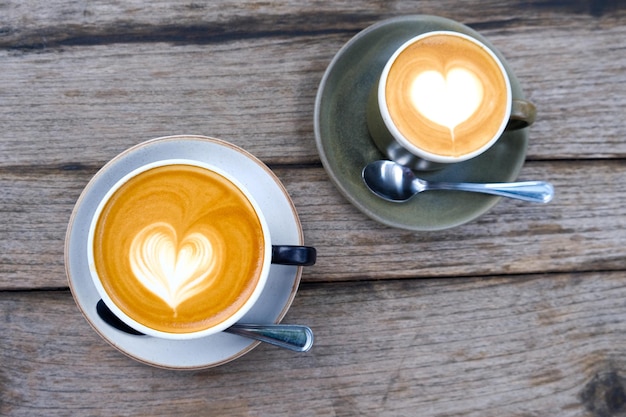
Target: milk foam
172,269
447,99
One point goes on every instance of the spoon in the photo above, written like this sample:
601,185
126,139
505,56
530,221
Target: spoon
289,336
394,182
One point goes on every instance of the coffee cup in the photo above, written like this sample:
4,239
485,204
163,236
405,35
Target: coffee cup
179,249
443,97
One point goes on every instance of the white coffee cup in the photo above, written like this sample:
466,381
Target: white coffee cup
178,267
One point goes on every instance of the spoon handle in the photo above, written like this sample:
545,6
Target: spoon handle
289,336
533,191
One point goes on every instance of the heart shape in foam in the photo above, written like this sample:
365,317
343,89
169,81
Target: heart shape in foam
171,269
447,99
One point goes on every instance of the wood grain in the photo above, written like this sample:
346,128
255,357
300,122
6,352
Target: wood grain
572,233
523,310
524,346
40,25
89,101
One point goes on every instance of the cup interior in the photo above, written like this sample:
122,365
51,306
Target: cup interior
216,328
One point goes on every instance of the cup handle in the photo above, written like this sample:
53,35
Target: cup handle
523,114
293,255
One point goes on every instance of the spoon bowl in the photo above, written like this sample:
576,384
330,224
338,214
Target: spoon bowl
397,183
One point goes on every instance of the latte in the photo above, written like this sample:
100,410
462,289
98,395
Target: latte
178,248
446,94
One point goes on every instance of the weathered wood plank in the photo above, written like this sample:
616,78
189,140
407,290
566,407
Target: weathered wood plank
583,229
88,102
520,346
578,230
44,24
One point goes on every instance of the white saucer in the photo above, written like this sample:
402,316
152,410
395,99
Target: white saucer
285,229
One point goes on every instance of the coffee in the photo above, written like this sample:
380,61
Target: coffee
178,248
447,95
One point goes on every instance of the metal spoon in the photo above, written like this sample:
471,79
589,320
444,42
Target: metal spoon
394,182
289,336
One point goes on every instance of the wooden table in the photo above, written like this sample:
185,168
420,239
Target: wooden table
521,312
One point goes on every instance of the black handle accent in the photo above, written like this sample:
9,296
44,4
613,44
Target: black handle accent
293,255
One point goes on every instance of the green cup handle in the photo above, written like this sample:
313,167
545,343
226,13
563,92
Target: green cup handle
523,114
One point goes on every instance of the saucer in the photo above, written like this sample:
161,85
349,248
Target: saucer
345,146
282,219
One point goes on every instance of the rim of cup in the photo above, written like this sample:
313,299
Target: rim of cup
395,132
267,256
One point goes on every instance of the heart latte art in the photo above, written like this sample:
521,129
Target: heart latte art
447,95
447,99
171,269
179,248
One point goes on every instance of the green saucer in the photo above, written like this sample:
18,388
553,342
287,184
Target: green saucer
345,146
